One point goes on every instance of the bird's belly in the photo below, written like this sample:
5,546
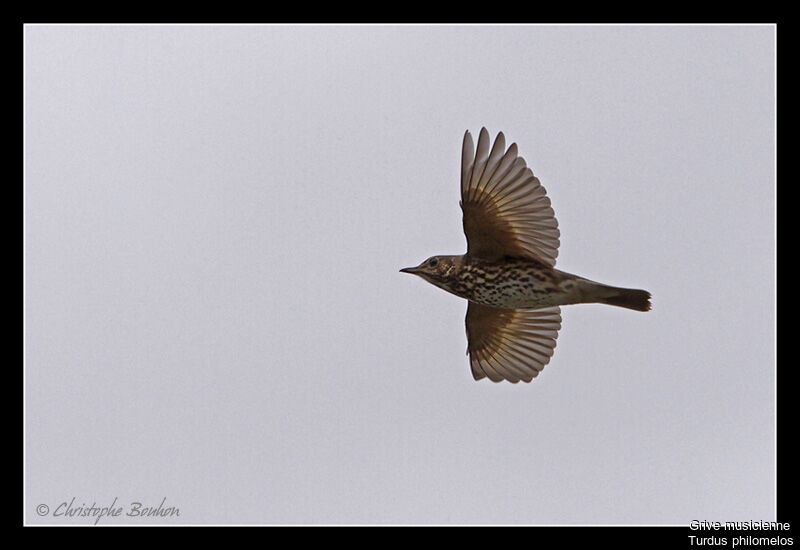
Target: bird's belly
519,295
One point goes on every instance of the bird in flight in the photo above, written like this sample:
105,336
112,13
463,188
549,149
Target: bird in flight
508,274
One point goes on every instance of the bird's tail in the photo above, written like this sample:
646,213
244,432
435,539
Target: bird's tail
630,298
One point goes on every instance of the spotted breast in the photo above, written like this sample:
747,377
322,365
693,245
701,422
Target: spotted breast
516,283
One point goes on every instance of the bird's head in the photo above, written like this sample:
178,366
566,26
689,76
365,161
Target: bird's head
437,270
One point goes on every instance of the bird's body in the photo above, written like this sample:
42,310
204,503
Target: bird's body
518,283
514,283
508,283
508,274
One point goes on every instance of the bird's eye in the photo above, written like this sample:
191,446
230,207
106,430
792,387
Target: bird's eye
433,262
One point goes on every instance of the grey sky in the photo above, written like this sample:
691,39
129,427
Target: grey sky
216,216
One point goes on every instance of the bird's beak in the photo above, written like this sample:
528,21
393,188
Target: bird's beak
412,270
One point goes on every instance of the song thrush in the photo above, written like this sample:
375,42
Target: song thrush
508,273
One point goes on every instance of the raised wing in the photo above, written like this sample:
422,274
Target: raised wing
506,209
510,344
